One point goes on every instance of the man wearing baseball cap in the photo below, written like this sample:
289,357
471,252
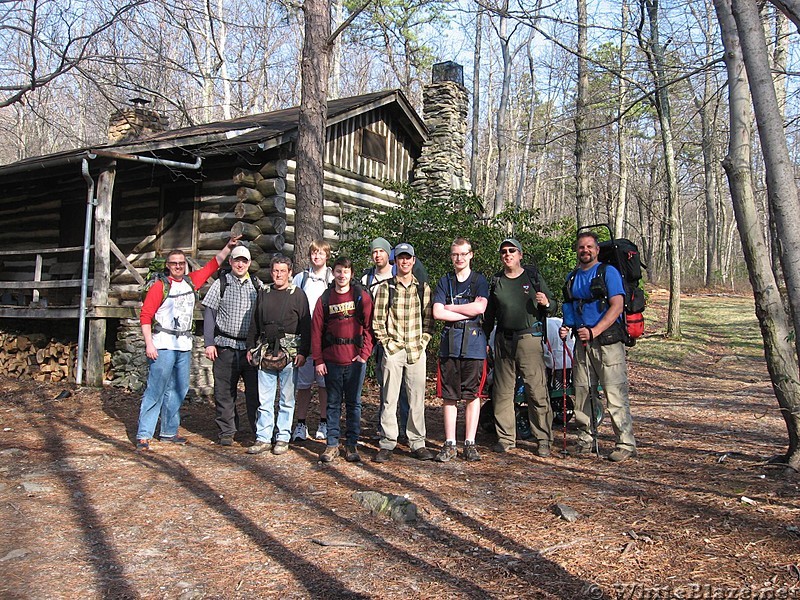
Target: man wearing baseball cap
518,303
403,325
229,308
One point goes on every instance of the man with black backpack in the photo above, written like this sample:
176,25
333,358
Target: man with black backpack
228,311
519,300
593,304
341,344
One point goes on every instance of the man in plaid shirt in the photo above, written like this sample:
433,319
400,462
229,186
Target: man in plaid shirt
403,324
226,323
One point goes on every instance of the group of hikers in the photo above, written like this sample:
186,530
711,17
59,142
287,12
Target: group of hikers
323,324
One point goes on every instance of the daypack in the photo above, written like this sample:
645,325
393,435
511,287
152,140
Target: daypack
325,300
624,255
532,273
222,274
157,271
307,274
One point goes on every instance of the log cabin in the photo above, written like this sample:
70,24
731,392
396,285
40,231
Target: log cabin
82,226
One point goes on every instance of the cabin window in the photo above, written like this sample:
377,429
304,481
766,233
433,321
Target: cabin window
177,219
373,145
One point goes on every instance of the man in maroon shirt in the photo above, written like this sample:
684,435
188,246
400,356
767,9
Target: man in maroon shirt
341,343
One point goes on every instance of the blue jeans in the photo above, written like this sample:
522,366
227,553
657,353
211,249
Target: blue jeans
267,388
343,383
167,384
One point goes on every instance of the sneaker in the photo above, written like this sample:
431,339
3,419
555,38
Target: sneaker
543,450
280,447
422,454
225,440
447,452
620,454
351,454
501,447
383,456
322,431
173,439
259,447
142,445
470,453
300,432
331,452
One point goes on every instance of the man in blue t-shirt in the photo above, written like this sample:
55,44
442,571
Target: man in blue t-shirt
460,300
593,309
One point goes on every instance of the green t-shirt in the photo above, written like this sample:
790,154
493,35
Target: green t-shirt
513,302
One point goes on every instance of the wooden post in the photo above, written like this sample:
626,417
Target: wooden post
37,276
95,370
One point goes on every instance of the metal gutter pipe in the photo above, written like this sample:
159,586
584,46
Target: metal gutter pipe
91,202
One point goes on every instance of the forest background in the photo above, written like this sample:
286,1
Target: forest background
635,113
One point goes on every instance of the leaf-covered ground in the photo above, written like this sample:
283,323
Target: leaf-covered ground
84,516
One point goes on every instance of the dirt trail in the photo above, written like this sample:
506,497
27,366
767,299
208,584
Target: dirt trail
86,517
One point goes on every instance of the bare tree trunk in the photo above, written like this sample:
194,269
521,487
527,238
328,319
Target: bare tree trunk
312,125
779,58
474,163
523,162
655,53
781,187
621,204
775,326
582,195
336,52
502,110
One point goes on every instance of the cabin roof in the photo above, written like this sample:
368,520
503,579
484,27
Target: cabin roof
259,132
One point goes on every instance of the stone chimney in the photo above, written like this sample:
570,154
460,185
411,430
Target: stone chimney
133,122
440,168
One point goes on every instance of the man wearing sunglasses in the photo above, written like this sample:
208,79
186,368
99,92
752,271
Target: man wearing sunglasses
518,303
167,327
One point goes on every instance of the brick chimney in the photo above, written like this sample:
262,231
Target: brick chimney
440,168
133,122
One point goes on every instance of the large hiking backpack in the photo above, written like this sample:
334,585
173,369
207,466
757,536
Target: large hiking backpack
624,255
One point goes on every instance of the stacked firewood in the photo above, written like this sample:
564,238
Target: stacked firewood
35,356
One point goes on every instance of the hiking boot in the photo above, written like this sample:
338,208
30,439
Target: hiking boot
470,452
259,447
225,440
330,453
322,431
584,450
448,452
621,454
280,447
173,439
142,445
382,456
422,454
300,432
501,447
351,454
543,451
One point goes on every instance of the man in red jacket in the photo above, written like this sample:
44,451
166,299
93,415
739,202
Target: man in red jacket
341,343
166,320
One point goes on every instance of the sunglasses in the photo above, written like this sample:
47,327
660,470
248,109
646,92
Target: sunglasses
508,250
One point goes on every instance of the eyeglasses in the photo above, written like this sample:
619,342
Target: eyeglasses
460,254
508,250
176,264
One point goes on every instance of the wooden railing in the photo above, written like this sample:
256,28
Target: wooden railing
36,284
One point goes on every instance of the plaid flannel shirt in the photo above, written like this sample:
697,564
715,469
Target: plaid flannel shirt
403,326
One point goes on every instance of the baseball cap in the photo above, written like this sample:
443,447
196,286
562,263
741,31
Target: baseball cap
380,243
511,241
240,251
404,248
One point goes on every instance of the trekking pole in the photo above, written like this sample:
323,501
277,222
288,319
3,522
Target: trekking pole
564,393
591,401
